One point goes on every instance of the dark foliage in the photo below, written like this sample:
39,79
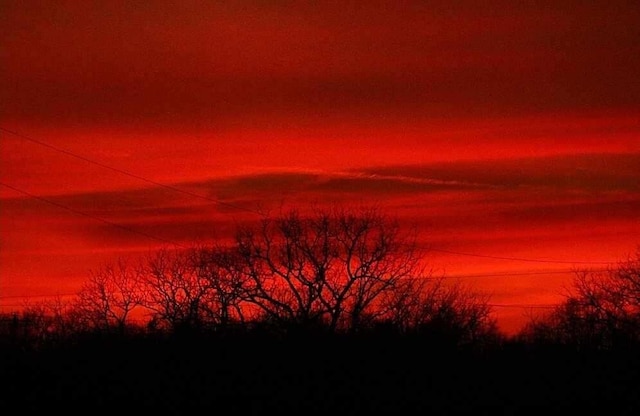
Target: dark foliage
314,373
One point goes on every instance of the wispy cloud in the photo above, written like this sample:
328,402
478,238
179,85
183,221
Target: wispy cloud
604,172
457,196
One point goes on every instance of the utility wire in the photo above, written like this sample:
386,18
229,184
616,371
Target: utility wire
84,214
460,253
444,277
497,305
37,296
217,201
127,173
520,305
525,273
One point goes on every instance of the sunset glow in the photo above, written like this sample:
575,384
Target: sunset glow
510,136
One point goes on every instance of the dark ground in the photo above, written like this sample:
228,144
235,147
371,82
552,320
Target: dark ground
316,376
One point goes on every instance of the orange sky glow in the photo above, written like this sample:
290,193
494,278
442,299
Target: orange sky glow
509,135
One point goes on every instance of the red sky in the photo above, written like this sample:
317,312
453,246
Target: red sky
511,131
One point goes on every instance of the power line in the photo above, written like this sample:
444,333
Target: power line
525,273
36,296
521,305
460,253
217,201
127,173
497,305
506,274
66,294
84,214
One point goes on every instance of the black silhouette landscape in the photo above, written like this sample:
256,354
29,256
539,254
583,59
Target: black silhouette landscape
320,207
317,314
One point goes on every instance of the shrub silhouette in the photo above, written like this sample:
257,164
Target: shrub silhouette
601,310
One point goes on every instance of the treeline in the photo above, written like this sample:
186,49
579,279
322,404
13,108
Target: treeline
335,272
334,312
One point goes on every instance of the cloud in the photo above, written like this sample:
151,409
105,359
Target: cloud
467,199
565,182
387,185
590,172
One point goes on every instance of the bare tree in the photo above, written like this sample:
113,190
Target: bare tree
174,292
283,281
601,309
110,294
327,268
429,305
44,323
216,267
374,256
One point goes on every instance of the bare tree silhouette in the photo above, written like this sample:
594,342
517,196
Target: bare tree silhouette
174,292
326,269
601,310
336,270
430,306
43,323
222,304
110,294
